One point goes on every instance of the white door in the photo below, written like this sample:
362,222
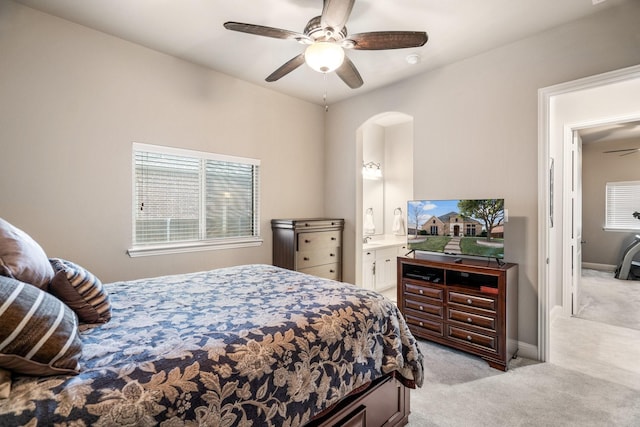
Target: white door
576,222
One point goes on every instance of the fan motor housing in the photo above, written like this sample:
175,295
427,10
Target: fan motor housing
315,30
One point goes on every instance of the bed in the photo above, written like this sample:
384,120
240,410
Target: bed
247,345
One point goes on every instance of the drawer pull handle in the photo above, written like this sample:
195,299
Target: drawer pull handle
469,301
469,338
421,292
469,320
421,308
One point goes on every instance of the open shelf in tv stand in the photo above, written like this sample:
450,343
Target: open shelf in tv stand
470,305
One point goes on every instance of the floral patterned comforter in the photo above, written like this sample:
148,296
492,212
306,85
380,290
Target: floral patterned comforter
248,345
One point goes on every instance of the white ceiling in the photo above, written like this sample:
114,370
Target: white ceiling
192,30
610,132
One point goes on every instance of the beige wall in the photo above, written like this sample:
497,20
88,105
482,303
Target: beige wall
72,101
484,109
598,168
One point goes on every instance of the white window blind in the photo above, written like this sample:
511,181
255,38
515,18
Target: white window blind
189,200
623,199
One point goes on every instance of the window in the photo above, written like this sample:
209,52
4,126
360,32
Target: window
187,200
471,230
623,199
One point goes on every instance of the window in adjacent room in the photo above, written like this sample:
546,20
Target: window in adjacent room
622,200
187,200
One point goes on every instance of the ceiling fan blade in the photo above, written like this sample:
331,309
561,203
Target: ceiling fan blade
349,74
624,149
335,13
380,40
286,68
259,30
630,152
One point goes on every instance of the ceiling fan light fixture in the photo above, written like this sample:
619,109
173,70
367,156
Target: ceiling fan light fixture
324,57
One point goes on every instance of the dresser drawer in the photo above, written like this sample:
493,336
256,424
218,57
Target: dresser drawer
311,224
426,291
486,303
422,305
328,271
487,322
488,342
311,259
425,325
319,239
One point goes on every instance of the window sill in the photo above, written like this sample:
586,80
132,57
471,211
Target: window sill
179,248
623,230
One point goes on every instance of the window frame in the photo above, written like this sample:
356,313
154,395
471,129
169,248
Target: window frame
137,250
631,224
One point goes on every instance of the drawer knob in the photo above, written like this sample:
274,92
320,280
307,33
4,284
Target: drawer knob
333,238
421,292
469,338
469,301
421,308
332,271
421,324
469,320
307,241
306,258
332,254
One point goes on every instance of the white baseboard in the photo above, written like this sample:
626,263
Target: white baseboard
555,312
600,267
528,351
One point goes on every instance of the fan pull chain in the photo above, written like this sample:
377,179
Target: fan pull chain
324,97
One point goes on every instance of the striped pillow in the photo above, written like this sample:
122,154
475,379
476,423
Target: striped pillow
81,291
39,333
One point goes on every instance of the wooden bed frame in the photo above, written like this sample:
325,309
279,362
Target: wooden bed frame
384,403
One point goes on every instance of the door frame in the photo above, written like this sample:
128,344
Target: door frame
595,100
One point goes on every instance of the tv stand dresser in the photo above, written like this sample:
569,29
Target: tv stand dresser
470,305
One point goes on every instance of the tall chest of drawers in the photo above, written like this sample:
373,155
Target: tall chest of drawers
471,306
311,245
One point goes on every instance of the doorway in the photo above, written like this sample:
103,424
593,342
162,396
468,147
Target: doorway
563,109
385,141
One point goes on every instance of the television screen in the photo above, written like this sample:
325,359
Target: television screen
467,227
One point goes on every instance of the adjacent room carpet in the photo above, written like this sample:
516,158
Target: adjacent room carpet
603,298
462,390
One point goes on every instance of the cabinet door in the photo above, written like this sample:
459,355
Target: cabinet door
386,268
368,269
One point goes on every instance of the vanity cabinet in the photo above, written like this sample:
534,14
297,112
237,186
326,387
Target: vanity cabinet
470,305
379,267
312,246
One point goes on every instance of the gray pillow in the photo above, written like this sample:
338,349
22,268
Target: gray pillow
39,333
22,258
81,291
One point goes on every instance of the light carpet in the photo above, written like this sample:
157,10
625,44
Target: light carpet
462,390
603,298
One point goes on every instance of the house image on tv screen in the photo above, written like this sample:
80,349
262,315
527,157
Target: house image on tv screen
457,227
452,224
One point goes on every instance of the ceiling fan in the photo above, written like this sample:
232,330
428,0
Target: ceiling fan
624,151
326,38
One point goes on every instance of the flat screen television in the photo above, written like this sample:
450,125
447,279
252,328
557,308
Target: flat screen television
462,227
